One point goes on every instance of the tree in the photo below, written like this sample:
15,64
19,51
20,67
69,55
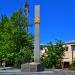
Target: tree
54,55
15,43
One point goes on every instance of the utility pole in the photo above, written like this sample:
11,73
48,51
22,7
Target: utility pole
26,15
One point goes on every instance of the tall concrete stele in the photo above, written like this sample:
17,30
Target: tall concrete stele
35,67
37,34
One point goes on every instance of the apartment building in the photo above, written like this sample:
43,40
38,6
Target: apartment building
69,53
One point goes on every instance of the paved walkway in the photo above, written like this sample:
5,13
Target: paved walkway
47,72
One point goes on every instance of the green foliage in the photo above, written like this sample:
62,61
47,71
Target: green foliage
73,63
72,66
54,55
23,56
15,43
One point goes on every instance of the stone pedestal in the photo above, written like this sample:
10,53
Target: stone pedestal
30,67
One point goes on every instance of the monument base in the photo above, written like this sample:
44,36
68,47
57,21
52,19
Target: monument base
32,67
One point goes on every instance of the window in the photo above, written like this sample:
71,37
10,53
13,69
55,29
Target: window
73,47
66,48
41,47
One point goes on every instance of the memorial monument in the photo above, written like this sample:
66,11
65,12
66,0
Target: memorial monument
36,66
37,34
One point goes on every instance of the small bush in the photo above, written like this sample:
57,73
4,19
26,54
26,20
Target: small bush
72,66
73,63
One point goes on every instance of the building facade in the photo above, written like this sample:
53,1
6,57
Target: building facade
69,53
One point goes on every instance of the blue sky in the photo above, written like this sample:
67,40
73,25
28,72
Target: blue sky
57,17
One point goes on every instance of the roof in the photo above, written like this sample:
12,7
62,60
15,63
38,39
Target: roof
70,42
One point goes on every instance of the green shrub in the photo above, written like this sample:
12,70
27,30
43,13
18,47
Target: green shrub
73,63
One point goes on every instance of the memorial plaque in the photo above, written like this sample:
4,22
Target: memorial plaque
33,68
